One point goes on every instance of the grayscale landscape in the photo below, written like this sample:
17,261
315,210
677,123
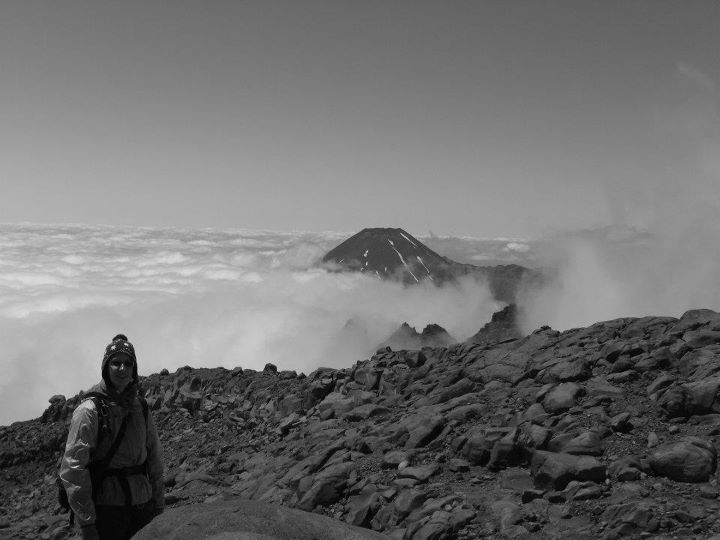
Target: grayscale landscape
413,270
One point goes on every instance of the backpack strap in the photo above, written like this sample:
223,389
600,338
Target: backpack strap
145,408
98,469
102,409
123,474
101,469
107,458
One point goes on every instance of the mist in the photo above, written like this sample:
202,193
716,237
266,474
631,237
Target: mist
604,274
200,298
658,254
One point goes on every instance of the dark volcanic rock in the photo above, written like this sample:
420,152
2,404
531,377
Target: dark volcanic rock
250,520
597,432
551,470
388,253
406,337
561,397
391,253
503,326
690,460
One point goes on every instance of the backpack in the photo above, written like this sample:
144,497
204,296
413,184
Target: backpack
98,467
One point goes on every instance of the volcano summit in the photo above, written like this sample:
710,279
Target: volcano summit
395,254
391,253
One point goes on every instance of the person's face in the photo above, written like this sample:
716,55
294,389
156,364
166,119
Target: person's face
120,369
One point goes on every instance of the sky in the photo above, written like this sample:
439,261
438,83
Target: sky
174,171
476,118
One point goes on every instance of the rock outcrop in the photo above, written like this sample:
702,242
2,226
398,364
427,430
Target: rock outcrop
503,326
406,337
607,431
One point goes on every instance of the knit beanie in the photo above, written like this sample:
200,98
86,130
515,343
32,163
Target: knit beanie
119,345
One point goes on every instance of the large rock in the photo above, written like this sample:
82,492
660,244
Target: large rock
502,326
698,397
675,402
367,376
249,520
420,429
562,397
327,486
516,446
566,371
695,318
507,514
551,470
480,442
421,473
627,468
690,460
361,508
628,519
701,338
587,443
336,404
55,411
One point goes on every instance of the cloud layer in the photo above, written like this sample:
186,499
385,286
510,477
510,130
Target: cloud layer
193,297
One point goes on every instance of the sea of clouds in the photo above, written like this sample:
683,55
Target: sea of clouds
201,298
210,298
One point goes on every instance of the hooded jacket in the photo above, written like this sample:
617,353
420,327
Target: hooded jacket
139,445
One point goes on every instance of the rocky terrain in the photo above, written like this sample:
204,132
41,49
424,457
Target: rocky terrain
395,254
607,431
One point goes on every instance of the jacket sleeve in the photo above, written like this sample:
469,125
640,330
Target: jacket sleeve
73,469
155,464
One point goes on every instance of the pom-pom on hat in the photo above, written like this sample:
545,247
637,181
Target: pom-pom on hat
120,344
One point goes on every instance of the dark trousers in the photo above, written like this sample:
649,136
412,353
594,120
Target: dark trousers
121,522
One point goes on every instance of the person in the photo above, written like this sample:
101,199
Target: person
112,501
